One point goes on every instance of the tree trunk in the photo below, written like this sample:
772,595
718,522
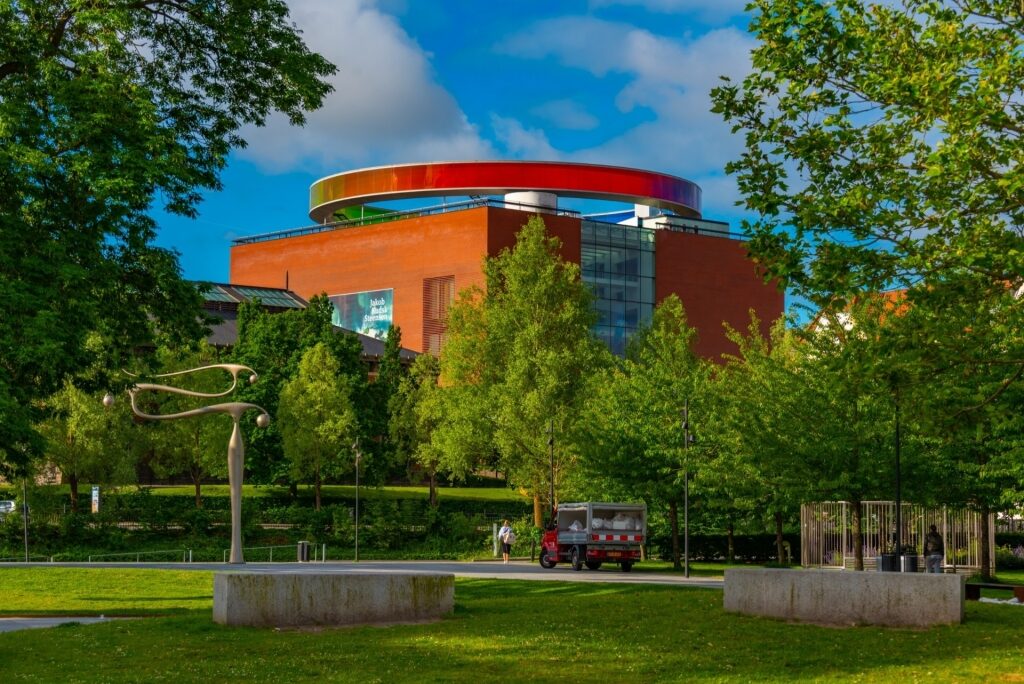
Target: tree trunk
197,483
780,551
293,490
673,517
730,535
73,487
316,491
538,515
433,488
986,550
858,535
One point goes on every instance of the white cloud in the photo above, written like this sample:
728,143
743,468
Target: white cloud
710,10
669,77
386,106
566,114
521,142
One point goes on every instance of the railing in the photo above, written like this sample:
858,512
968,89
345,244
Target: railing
21,559
696,227
319,552
408,213
186,555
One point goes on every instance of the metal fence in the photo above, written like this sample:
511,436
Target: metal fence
186,555
826,533
254,553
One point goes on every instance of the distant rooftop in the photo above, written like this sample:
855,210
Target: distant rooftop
222,301
230,296
380,215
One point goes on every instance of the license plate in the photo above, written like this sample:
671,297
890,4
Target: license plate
614,554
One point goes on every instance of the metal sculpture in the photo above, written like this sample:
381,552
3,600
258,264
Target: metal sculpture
236,446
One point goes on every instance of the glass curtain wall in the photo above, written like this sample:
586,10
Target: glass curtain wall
618,264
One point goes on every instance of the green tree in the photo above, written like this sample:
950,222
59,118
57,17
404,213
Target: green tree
273,345
812,417
516,361
375,410
195,446
105,107
88,443
391,371
971,412
883,151
883,142
318,421
754,429
416,409
630,437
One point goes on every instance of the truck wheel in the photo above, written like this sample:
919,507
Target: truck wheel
627,566
592,565
545,560
576,559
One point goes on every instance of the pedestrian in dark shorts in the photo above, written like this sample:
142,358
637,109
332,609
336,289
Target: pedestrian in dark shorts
507,538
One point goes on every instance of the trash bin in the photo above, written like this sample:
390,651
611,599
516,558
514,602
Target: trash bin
303,551
888,562
909,563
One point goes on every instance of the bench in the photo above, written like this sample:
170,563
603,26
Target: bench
972,590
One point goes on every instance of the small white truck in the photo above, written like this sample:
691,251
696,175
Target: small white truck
592,533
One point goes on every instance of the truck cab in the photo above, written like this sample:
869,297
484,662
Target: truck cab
593,533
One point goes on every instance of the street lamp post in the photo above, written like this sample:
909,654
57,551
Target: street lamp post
899,503
551,464
236,446
24,512
359,455
687,440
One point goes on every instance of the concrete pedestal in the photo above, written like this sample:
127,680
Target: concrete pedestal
300,599
846,598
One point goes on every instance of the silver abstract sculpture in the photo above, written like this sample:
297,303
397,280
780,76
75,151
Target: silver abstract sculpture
236,447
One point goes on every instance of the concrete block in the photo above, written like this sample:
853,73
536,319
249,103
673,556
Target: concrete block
833,597
303,599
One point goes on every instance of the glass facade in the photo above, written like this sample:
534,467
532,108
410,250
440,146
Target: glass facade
618,264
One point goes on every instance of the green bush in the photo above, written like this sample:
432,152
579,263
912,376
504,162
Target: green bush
1010,558
197,522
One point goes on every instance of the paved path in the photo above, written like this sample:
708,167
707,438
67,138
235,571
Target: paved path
12,624
516,570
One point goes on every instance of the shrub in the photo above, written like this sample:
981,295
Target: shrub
1010,558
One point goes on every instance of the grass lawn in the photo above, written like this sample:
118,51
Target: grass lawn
501,631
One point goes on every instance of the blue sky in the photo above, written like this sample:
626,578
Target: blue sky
621,82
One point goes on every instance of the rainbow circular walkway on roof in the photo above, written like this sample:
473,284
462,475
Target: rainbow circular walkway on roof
562,179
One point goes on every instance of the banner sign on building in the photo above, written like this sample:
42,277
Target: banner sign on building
368,313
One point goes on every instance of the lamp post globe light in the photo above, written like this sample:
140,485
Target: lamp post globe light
236,446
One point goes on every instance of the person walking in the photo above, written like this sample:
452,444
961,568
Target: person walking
507,538
934,550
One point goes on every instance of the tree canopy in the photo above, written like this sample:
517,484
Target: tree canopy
318,422
105,107
516,362
883,141
630,437
273,345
